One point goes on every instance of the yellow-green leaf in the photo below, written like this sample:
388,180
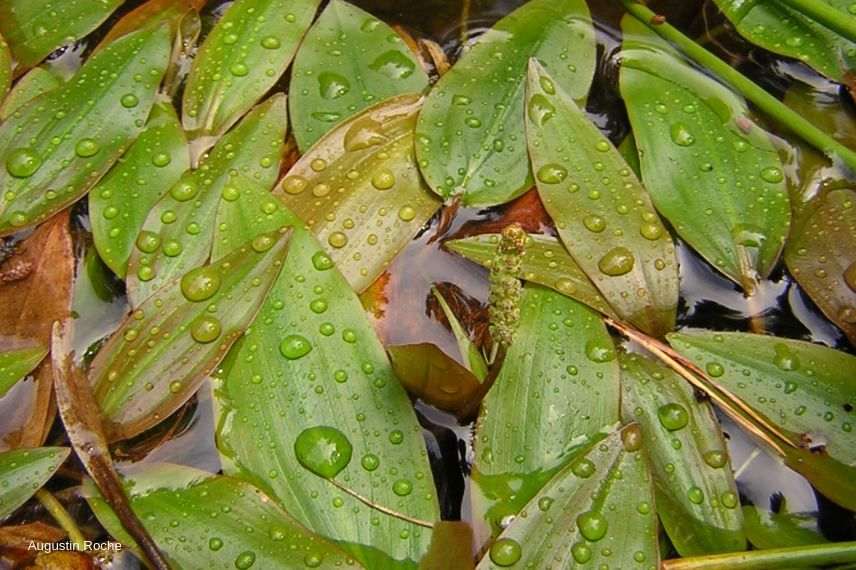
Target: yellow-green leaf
24,471
16,364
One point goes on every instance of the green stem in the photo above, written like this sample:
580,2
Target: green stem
763,100
61,516
793,557
840,22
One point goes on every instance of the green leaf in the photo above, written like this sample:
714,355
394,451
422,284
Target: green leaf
119,204
710,169
470,136
822,256
5,68
240,60
557,389
166,347
37,81
35,28
221,522
348,60
309,365
545,261
24,471
597,511
473,358
767,529
696,495
602,213
805,389
359,189
783,30
178,232
16,364
57,147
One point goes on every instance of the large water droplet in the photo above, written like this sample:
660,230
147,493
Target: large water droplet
295,346
323,450
321,261
681,136
364,133
205,329
86,148
505,552
332,85
785,358
393,64
540,109
617,261
772,175
200,284
673,416
592,525
383,179
552,173
23,162
245,560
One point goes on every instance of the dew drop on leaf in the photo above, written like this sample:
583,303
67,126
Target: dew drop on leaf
323,450
505,552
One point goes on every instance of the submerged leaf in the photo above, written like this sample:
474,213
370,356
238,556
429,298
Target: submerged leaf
56,147
224,523
711,171
240,60
119,204
359,190
24,471
602,213
17,363
166,347
470,135
696,495
557,389
348,60
37,81
598,511
804,388
766,529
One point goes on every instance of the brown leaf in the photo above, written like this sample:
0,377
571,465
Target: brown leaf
15,541
63,561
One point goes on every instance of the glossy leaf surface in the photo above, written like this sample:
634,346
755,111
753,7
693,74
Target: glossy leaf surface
602,213
696,495
16,364
57,147
5,68
558,387
37,81
119,204
597,511
213,513
470,136
710,170
166,347
24,471
359,190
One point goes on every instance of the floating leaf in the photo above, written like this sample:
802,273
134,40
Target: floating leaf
166,347
24,471
178,232
696,495
767,529
804,388
16,364
558,387
240,60
152,13
545,261
309,407
37,81
348,60
58,146
822,256
359,190
711,171
5,68
470,135
602,213
35,28
213,515
779,28
597,511
119,204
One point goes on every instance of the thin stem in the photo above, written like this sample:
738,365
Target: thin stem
793,557
465,22
753,92
61,516
840,22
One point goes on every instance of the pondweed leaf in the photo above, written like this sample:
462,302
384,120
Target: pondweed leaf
214,514
5,68
57,146
15,364
822,256
768,529
37,81
710,170
168,345
779,28
557,389
602,213
451,547
470,135
545,261
359,190
597,511
24,471
348,61
470,353
178,232
696,495
35,28
119,204
805,389
240,60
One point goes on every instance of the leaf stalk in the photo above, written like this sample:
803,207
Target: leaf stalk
792,557
61,516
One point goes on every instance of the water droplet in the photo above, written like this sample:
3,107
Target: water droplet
262,243
581,552
184,191
205,329
270,42
370,462
383,179
716,458
651,230
594,223
600,351
785,359
772,175
552,173
540,109
505,552
402,487
714,369
583,468
295,346
86,148
681,136
631,438
729,500
602,146
394,65
294,185
592,525
23,162
617,261
200,284
161,159
321,261
695,495
215,544
245,560
673,416
338,240
332,85
323,450
129,100
239,69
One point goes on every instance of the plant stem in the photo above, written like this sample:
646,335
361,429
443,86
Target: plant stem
61,516
793,557
753,92
839,22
